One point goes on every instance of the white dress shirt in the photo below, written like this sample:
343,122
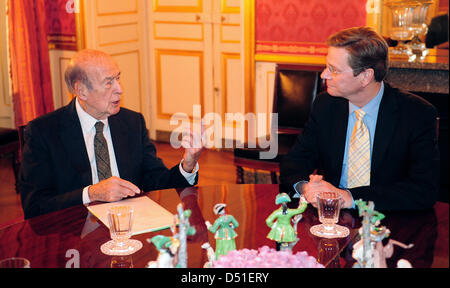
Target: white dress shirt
88,127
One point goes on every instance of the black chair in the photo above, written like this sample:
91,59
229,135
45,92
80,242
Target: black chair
296,87
10,146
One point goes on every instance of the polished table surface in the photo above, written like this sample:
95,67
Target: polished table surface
56,239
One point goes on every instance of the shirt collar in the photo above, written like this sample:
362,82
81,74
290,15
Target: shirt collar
370,108
87,121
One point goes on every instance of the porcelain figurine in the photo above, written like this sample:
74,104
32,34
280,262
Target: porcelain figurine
224,230
167,247
173,250
279,221
369,251
210,253
184,230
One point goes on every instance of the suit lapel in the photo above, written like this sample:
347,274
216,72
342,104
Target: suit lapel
339,122
73,142
386,124
119,137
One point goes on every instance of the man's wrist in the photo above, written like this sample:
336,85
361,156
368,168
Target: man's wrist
351,202
85,196
190,177
188,167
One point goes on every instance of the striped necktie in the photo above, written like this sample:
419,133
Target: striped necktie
359,154
101,153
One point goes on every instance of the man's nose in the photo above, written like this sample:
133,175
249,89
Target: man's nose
325,74
117,87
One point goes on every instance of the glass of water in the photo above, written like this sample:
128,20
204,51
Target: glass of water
120,219
329,207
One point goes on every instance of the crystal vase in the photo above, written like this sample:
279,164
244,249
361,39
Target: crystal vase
420,28
401,30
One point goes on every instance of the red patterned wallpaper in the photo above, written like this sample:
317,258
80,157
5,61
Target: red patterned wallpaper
60,25
302,26
443,5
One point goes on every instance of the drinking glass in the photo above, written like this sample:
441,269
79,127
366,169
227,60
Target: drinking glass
328,207
120,219
15,262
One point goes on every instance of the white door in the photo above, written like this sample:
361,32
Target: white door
119,28
228,69
6,108
195,60
181,62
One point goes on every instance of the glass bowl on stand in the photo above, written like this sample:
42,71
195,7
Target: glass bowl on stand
401,30
420,28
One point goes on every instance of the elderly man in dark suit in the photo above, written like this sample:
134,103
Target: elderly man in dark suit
92,149
364,138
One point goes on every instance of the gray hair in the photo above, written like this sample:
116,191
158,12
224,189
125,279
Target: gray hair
75,73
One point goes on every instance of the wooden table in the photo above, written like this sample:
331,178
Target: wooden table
57,239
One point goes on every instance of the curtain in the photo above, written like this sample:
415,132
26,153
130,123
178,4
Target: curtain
30,63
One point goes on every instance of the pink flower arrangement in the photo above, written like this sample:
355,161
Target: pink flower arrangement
265,257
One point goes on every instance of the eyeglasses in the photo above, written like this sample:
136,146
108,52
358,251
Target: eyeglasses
334,72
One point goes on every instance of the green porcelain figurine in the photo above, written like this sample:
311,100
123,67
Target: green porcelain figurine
168,248
279,221
224,230
173,250
369,251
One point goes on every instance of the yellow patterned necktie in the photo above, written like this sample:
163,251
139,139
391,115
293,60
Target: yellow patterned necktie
359,154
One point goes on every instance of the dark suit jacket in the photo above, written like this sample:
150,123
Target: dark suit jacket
405,161
55,166
437,31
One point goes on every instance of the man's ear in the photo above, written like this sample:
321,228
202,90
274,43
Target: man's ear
367,76
80,90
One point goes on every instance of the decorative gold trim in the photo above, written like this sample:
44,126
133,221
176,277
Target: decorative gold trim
249,58
294,59
374,20
4,57
118,24
224,68
227,9
167,8
80,26
178,38
158,54
268,110
136,24
116,13
61,38
294,43
139,72
62,81
284,48
4,86
221,34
